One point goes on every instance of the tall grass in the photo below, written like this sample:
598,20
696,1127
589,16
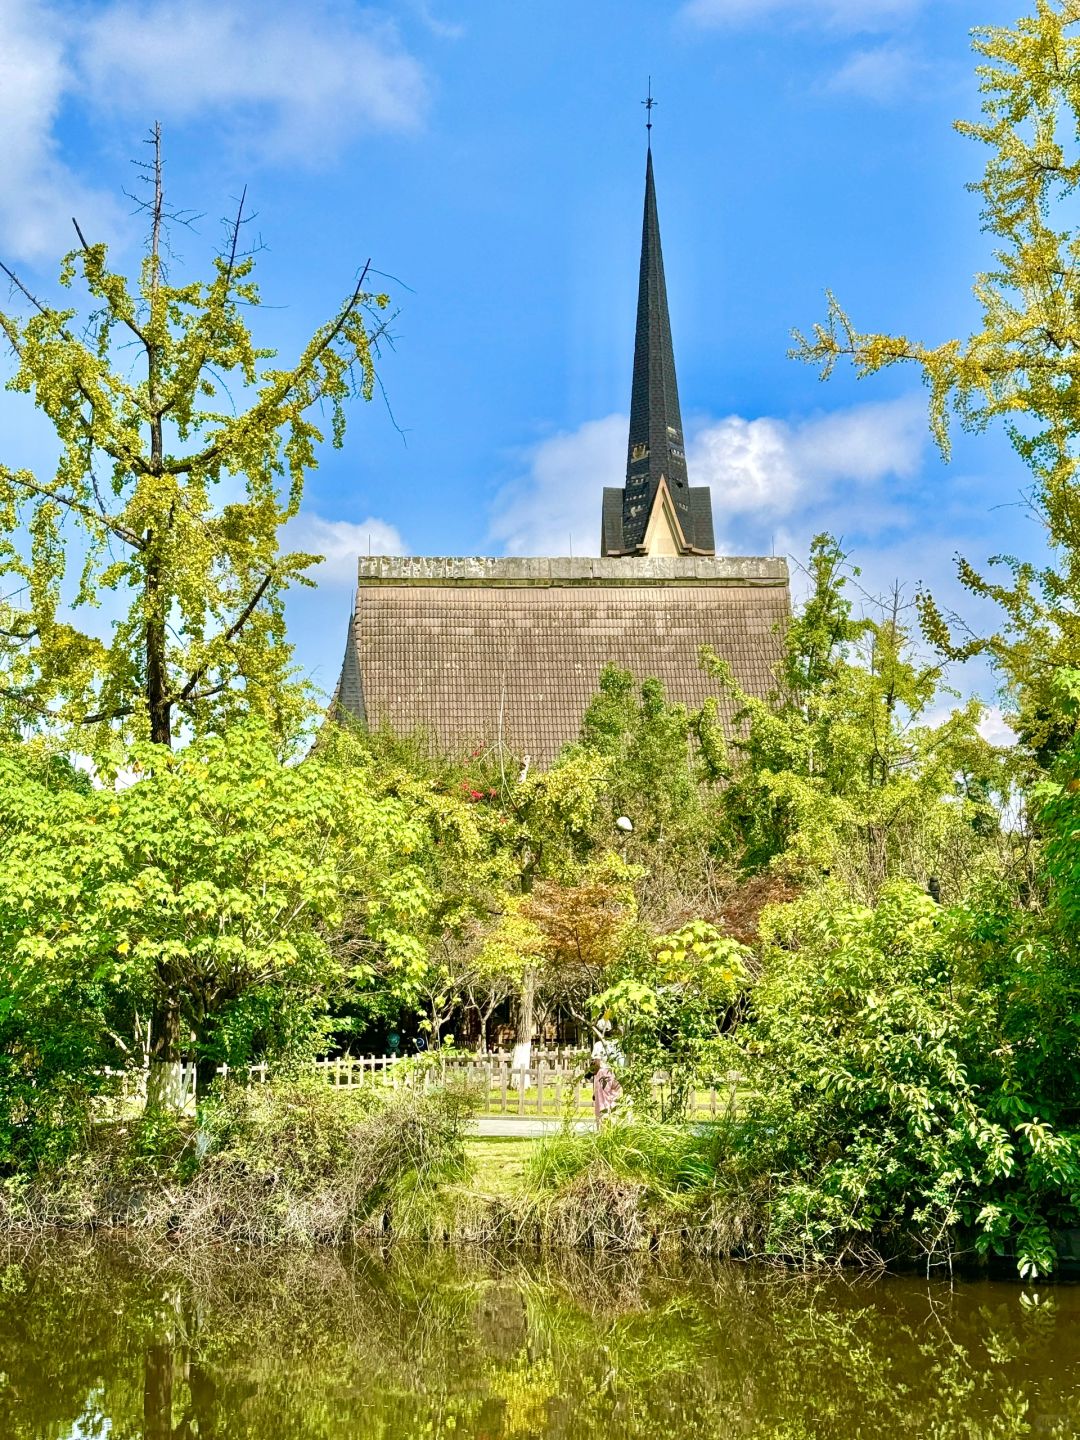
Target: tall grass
665,1158
290,1161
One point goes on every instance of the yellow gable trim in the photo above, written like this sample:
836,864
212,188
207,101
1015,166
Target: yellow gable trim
663,533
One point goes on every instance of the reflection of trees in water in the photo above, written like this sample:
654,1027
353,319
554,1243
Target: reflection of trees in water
162,1346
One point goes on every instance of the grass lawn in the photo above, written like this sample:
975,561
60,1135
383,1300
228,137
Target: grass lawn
498,1165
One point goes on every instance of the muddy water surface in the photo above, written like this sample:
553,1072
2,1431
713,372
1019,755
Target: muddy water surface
98,1340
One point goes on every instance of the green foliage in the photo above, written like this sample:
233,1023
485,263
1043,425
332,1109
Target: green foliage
168,493
645,738
892,1109
54,1044
671,999
204,895
1019,366
298,1161
305,1134
669,1159
847,769
291,1160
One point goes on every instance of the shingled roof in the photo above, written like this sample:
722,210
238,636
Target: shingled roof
477,650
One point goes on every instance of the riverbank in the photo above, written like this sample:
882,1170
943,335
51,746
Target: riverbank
296,1163
486,1190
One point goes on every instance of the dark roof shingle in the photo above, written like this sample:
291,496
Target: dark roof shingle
473,651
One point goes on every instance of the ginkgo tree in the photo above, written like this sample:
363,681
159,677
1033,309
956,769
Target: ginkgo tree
182,451
1020,367
855,765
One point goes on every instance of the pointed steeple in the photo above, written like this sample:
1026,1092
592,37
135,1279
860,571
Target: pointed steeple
656,435
656,458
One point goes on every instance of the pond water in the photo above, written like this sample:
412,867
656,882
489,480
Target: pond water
97,1340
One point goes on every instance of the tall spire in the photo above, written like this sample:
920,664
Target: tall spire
656,512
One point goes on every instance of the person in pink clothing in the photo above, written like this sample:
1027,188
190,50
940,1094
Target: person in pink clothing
606,1091
605,1087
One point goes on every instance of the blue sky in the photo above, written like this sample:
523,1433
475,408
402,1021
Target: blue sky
490,157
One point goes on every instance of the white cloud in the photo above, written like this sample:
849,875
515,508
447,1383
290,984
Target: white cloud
555,506
288,82
994,727
38,193
340,542
851,15
444,29
763,473
769,468
883,73
299,81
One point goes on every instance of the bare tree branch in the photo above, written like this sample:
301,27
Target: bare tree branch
188,692
129,537
120,713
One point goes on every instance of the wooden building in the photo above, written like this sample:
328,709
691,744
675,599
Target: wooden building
478,650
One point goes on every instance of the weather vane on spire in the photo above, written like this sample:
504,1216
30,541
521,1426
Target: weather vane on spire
649,102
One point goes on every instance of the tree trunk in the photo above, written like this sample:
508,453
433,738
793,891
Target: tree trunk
485,1026
202,1387
527,1006
157,676
163,1084
158,701
206,1068
158,1391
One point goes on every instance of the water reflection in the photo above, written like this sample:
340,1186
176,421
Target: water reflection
98,1340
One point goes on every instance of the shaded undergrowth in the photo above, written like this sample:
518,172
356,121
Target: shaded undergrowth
288,1162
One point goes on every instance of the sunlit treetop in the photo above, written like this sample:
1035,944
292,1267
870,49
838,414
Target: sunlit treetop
1021,366
183,449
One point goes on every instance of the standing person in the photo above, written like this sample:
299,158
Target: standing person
606,1088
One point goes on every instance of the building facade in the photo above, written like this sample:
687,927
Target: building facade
479,651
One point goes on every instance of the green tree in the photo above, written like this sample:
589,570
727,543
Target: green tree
672,996
172,483
646,740
904,1068
466,853
1020,366
843,769
210,886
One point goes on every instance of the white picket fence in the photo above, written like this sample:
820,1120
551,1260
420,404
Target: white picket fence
554,1083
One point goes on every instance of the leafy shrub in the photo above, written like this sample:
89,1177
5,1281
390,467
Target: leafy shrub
888,1112
672,997
299,1160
